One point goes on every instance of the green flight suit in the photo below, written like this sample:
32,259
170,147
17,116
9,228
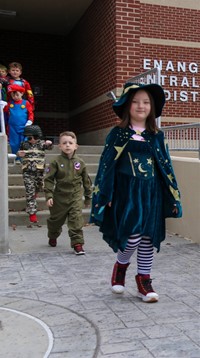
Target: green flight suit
66,180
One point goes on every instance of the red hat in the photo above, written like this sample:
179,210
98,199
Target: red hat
13,88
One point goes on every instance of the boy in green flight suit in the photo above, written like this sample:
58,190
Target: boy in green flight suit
65,179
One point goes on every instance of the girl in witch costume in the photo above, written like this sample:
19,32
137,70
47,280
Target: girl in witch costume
135,187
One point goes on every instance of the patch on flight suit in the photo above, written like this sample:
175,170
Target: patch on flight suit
47,169
77,165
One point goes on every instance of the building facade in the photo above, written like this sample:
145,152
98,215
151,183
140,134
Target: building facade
113,41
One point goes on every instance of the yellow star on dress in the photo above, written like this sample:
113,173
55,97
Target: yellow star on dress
170,177
96,189
119,150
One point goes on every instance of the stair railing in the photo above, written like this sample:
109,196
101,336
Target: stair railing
184,137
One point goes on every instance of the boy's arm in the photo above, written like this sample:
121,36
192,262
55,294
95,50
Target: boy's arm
30,114
87,185
49,180
29,93
20,152
48,145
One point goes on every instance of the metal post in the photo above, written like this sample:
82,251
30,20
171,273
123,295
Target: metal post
4,244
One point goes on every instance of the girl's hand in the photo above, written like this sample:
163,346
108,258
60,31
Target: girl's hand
175,209
50,202
48,142
109,204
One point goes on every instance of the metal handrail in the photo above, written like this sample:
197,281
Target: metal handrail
4,241
183,137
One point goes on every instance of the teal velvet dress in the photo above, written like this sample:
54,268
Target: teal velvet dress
137,199
138,179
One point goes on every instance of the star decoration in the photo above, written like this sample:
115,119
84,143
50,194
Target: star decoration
149,161
175,193
119,151
138,132
135,160
96,189
170,177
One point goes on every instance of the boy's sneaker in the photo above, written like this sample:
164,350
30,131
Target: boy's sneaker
53,242
78,249
145,290
33,218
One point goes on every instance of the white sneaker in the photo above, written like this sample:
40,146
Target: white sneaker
117,289
149,297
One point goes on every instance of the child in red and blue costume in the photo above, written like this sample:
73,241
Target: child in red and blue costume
15,71
20,114
3,88
3,82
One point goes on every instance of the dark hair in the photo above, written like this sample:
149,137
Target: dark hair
151,125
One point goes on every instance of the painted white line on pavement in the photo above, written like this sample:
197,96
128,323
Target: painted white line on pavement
46,328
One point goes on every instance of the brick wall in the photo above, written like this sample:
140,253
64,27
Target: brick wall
92,48
44,61
167,22
92,52
106,47
105,51
128,31
132,21
176,24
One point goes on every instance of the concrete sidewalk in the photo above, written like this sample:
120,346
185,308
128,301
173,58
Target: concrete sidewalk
55,304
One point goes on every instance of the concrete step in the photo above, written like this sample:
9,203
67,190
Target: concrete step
19,204
21,218
16,169
88,158
18,191
15,180
82,149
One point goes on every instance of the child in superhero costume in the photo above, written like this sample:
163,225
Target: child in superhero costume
135,187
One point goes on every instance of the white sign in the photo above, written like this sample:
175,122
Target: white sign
189,85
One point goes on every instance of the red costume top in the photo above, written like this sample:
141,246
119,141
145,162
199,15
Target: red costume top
28,91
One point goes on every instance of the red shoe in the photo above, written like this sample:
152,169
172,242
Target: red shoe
53,242
145,290
78,249
33,218
118,277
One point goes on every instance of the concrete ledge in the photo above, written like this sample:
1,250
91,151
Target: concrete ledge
187,172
